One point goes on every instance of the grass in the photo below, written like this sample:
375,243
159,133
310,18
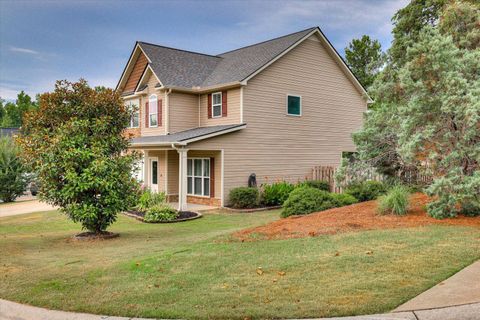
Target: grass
195,269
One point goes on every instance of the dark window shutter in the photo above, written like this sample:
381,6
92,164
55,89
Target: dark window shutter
146,114
212,177
209,106
159,112
224,103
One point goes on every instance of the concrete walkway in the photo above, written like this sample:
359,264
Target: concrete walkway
21,207
457,298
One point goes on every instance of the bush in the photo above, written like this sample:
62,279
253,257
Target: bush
159,213
471,209
395,201
366,190
343,199
149,199
276,193
244,197
13,178
317,184
306,200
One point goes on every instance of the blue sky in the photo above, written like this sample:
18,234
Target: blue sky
42,41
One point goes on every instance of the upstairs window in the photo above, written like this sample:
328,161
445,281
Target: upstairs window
133,108
216,105
294,105
152,111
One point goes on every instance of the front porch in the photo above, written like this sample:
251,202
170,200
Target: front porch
191,179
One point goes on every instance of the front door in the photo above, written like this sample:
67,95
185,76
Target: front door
154,174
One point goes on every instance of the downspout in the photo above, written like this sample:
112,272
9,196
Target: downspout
167,111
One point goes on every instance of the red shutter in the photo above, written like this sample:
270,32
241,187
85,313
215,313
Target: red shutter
146,114
224,103
209,106
212,177
159,112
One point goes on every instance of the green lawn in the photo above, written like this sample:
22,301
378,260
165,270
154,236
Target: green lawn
195,270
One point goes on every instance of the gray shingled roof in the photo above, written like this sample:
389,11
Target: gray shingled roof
187,69
184,136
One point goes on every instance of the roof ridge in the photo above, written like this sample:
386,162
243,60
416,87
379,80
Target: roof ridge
255,44
171,48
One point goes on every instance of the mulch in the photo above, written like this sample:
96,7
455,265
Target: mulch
182,215
361,216
86,236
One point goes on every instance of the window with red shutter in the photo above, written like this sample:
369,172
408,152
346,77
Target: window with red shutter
159,114
224,103
209,106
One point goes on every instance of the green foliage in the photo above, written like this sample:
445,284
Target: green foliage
149,199
318,184
471,209
11,114
244,197
395,201
343,199
366,190
13,176
160,212
276,193
304,200
74,142
364,56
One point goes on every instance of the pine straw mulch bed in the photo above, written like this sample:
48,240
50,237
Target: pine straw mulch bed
357,217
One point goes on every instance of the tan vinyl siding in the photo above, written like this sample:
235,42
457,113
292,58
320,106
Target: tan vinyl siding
276,146
233,110
160,130
183,111
136,73
162,168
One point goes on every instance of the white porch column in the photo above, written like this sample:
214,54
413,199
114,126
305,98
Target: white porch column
182,179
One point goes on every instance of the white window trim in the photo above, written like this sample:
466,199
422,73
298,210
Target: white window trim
150,111
221,107
193,176
129,104
286,105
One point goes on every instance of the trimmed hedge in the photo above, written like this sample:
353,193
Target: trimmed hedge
243,197
317,184
159,213
276,193
306,200
367,190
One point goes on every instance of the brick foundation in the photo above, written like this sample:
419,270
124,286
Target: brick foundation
197,200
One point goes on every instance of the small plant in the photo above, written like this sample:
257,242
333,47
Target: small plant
306,200
244,197
149,199
395,201
344,199
366,190
317,184
276,193
160,213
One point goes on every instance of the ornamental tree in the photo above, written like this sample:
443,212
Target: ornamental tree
74,142
13,176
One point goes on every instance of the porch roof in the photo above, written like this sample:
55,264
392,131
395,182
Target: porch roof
187,136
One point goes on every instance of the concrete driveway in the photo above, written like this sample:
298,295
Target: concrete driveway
21,207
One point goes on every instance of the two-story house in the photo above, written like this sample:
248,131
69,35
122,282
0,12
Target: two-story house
204,123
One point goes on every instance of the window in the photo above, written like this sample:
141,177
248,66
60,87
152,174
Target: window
216,105
294,105
152,111
198,177
132,106
154,172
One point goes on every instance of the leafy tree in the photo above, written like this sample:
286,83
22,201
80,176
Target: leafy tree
13,112
364,56
13,178
75,144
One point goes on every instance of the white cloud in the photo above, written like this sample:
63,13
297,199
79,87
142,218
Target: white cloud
24,50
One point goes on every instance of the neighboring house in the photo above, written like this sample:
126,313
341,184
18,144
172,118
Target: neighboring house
205,123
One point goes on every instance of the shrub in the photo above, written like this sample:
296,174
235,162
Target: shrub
366,190
343,199
149,199
306,200
244,197
276,193
160,212
395,201
13,178
471,209
317,184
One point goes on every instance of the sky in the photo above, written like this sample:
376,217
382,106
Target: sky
44,41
